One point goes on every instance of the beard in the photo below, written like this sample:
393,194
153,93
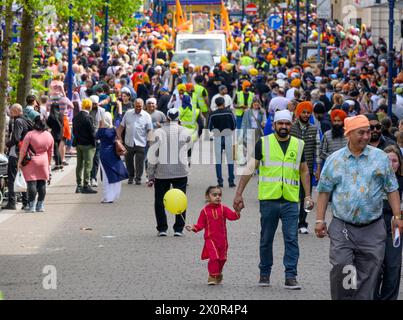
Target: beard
303,121
337,131
375,137
282,133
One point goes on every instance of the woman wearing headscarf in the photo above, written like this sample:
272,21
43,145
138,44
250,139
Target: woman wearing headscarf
113,169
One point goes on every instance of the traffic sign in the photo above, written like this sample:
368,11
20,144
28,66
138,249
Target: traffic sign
251,9
275,22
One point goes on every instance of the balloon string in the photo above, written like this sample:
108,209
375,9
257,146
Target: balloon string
183,218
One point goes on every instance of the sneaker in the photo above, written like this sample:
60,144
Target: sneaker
220,278
303,230
264,281
138,183
221,185
212,280
79,189
232,185
65,163
130,181
292,284
9,206
178,234
88,189
56,168
94,183
40,206
162,234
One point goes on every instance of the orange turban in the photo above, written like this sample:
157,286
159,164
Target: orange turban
305,105
338,113
353,123
296,83
189,87
245,85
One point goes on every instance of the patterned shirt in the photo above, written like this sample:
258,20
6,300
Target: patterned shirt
358,183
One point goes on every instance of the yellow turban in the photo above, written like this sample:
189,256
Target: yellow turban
181,87
86,104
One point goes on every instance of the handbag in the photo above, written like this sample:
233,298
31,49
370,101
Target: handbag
120,149
28,156
20,185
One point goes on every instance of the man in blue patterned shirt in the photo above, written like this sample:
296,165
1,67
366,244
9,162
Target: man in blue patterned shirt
358,175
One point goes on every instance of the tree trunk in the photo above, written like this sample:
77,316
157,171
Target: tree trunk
5,46
26,52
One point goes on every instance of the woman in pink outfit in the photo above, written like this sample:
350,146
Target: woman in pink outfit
36,172
213,219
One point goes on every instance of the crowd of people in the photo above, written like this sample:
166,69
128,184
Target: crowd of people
299,114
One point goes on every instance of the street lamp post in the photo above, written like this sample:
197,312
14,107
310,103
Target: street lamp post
70,57
307,22
297,35
390,55
105,54
283,6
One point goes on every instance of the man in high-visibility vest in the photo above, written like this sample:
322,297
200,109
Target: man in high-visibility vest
201,96
281,162
188,116
243,101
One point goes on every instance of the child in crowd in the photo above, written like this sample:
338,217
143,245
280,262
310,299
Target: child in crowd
213,219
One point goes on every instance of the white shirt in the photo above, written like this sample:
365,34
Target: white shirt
137,126
399,106
278,103
227,98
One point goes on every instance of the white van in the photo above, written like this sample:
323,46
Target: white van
213,42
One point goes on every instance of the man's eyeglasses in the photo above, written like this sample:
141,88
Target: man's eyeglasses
377,127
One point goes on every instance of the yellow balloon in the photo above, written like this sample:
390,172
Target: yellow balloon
274,62
175,201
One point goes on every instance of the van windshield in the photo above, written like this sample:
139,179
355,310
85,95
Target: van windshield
198,58
212,45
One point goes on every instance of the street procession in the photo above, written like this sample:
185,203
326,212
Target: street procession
150,150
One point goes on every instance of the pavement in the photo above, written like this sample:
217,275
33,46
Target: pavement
82,249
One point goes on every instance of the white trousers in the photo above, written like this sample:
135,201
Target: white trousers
111,191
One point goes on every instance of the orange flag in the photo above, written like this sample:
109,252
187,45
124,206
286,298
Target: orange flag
211,21
180,18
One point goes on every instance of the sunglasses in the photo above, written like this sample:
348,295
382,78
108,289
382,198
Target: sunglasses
377,127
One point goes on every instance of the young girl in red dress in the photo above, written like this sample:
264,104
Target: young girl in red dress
213,219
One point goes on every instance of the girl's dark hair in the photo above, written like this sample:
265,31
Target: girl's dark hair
39,124
211,188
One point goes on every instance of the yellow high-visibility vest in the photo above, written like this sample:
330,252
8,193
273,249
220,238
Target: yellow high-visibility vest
278,173
240,102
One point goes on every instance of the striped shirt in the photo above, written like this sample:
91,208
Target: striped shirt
330,144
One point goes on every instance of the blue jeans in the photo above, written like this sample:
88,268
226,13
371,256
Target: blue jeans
271,211
220,144
239,122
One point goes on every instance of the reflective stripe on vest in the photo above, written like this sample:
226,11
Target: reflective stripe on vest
278,173
241,102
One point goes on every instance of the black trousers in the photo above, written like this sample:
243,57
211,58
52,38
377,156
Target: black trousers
161,186
135,167
56,153
36,187
302,214
12,173
95,161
